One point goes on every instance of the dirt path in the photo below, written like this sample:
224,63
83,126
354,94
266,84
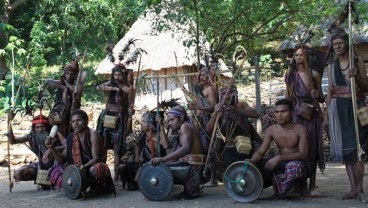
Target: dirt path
333,184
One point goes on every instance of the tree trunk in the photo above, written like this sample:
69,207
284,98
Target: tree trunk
3,36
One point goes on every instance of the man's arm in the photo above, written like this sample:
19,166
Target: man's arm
186,143
246,110
211,123
97,149
258,155
361,78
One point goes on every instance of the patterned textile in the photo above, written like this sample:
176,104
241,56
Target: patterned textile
287,175
193,181
114,138
341,120
314,126
56,176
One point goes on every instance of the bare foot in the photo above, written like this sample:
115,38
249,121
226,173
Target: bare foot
211,184
314,193
304,193
350,195
362,198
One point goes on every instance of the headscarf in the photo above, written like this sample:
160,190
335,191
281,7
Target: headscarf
150,118
40,119
335,32
72,68
233,94
180,111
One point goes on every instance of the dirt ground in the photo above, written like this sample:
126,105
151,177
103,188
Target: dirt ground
332,184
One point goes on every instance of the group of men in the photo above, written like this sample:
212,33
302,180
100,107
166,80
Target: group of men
297,132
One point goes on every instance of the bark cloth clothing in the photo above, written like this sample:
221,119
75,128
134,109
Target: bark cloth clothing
341,118
232,125
78,156
117,105
301,94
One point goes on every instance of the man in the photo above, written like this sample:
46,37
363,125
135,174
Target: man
187,151
118,107
233,122
67,98
303,82
85,150
36,139
340,111
207,99
288,167
145,150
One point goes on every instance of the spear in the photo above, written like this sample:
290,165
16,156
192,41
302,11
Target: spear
353,85
158,114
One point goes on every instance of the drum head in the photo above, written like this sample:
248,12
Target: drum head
155,182
243,181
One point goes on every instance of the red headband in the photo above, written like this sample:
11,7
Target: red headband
40,120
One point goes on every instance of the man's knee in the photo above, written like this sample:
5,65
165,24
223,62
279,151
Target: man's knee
93,172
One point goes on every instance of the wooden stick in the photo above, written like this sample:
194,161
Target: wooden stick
353,87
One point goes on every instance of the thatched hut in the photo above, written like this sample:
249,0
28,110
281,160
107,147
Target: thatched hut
166,55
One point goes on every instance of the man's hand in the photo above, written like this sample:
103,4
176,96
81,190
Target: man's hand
45,157
315,94
192,106
272,163
353,72
50,142
11,115
157,160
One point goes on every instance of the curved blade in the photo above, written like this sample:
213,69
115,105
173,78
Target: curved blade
155,182
243,181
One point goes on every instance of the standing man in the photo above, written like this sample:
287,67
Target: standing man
288,168
304,89
118,108
85,150
187,151
207,99
67,97
340,111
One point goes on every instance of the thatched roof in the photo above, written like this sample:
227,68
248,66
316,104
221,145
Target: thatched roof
161,47
359,36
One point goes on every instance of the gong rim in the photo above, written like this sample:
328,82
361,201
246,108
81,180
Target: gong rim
249,186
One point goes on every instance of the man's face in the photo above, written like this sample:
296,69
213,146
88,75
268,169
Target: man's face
340,46
174,122
118,76
69,77
283,114
144,125
203,76
40,127
299,56
78,124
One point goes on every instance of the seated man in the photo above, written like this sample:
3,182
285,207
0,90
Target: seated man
145,149
85,150
289,168
36,138
187,151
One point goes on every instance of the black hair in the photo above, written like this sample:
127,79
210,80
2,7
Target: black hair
81,113
285,102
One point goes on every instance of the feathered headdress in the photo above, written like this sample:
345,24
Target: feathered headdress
126,55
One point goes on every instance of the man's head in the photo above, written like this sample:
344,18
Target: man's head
70,72
339,42
176,116
283,111
40,123
118,74
79,120
148,121
205,76
232,96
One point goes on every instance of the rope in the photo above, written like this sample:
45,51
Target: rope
245,169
